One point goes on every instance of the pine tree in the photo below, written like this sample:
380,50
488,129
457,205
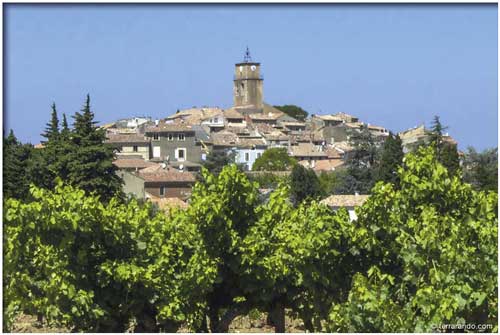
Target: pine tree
16,178
65,149
84,125
52,128
43,165
65,128
390,159
90,164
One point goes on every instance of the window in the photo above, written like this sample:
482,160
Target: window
180,154
162,190
216,120
181,137
259,154
134,148
156,152
170,137
156,137
247,156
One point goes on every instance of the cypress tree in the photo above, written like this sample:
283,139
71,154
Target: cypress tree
446,153
390,159
304,184
90,165
217,159
449,157
360,176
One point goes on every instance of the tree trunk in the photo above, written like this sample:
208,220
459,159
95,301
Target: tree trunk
317,325
280,319
276,317
230,315
214,319
203,328
309,325
146,321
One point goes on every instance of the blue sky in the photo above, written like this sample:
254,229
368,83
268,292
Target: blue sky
390,65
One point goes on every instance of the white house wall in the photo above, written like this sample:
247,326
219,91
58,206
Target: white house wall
253,154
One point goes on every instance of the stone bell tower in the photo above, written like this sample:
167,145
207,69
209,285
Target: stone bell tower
247,90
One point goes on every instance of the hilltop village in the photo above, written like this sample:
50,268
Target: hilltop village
158,159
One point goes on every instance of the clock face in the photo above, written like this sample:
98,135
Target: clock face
252,67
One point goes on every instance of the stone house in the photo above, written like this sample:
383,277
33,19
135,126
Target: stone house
234,118
174,142
294,126
130,144
248,150
163,181
133,185
304,151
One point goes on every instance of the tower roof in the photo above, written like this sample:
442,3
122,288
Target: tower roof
247,59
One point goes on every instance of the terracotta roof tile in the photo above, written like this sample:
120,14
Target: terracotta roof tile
224,138
129,163
169,127
323,164
126,138
306,150
159,174
339,200
232,113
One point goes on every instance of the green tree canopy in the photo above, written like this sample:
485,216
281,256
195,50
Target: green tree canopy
95,267
274,159
481,169
294,111
431,252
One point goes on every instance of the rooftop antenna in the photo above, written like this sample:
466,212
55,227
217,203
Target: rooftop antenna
247,57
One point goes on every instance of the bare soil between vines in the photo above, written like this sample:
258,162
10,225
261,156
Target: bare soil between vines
243,324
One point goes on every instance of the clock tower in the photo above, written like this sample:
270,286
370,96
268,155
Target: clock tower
247,90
